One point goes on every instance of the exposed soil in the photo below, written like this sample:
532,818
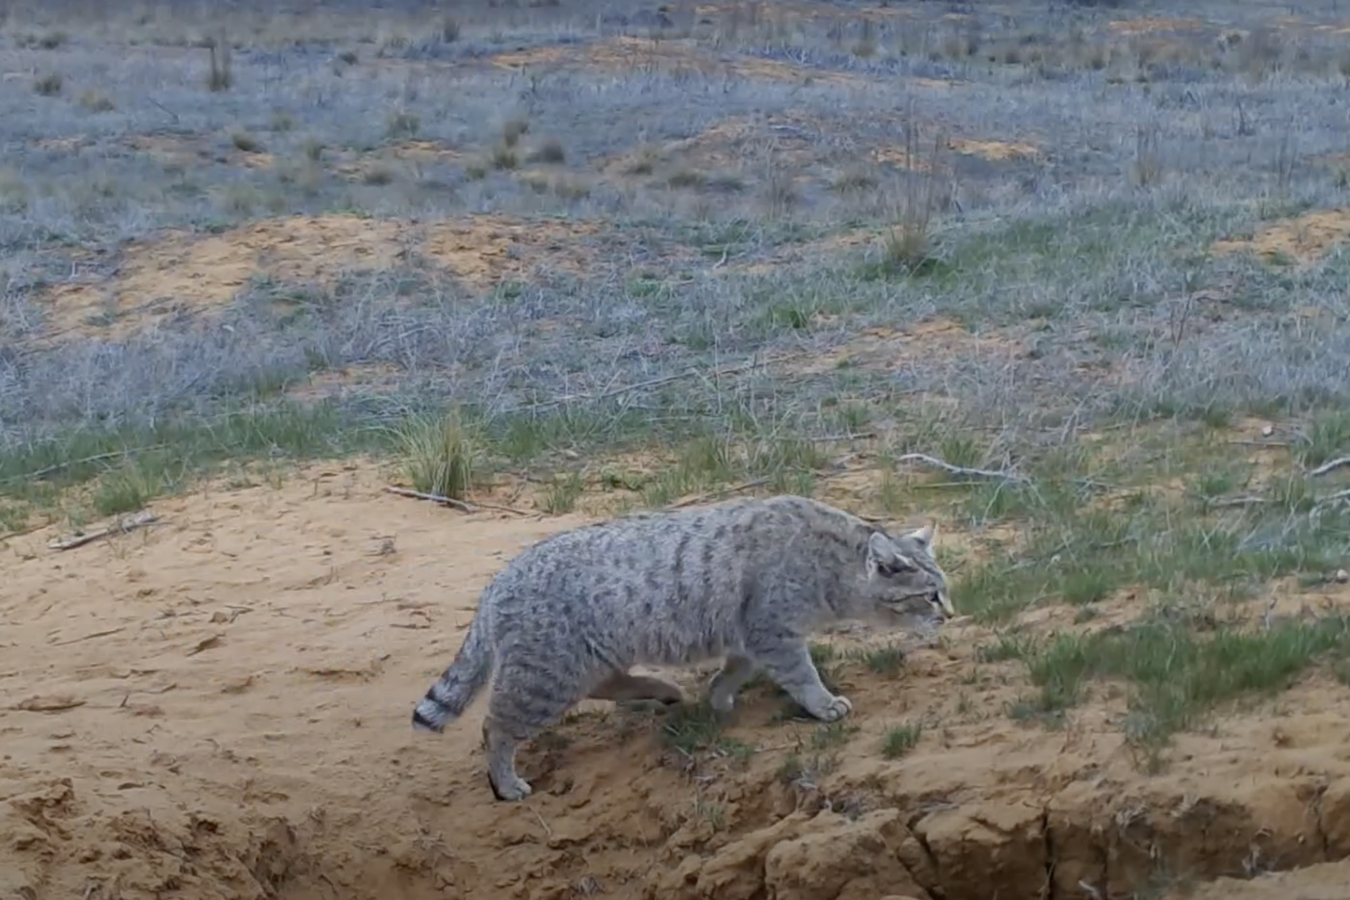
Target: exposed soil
218,707
188,272
1152,25
632,54
1303,239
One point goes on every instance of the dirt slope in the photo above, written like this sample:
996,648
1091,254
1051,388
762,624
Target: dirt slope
218,707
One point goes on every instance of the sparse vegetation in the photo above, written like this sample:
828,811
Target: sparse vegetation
1177,671
1074,295
48,85
441,455
221,72
901,739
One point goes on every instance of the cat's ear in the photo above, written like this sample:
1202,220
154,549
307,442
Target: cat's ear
923,536
884,556
880,549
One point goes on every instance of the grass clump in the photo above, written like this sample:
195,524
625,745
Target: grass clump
402,125
901,739
440,455
96,102
246,142
888,661
1176,673
549,151
220,75
128,488
691,728
48,85
1326,438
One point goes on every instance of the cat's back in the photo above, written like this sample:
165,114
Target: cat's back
645,542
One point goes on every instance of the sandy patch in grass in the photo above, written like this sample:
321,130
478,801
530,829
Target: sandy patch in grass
752,14
184,272
731,146
70,145
184,151
994,151
1304,239
920,157
883,348
341,382
1152,25
680,55
393,160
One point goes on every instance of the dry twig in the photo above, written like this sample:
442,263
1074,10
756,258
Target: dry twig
935,463
461,505
122,526
1330,466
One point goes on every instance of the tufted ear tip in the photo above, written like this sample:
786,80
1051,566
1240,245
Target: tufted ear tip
925,534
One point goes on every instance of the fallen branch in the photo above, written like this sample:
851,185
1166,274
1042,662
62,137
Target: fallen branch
122,526
1330,466
935,463
1337,497
1235,501
461,505
717,494
83,461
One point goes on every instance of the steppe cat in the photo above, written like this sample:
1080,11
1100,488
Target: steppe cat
749,579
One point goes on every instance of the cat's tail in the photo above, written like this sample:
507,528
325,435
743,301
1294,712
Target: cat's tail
455,689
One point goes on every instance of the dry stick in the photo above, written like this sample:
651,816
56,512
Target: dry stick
1257,501
947,467
97,457
1244,442
140,520
1333,498
1236,501
720,493
451,502
1330,466
717,494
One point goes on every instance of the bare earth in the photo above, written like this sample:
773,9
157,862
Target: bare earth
218,707
600,231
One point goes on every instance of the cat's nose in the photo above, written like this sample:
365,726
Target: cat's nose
944,603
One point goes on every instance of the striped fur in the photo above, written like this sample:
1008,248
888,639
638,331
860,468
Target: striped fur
745,580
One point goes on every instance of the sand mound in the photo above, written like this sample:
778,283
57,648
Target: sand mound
1305,239
218,707
186,272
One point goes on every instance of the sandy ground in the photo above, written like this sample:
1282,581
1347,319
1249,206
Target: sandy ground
218,707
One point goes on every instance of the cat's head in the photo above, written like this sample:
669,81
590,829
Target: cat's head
904,582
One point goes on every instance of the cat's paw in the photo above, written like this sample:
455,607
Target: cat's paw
514,788
834,710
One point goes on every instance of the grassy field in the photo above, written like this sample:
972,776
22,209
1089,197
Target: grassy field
576,256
